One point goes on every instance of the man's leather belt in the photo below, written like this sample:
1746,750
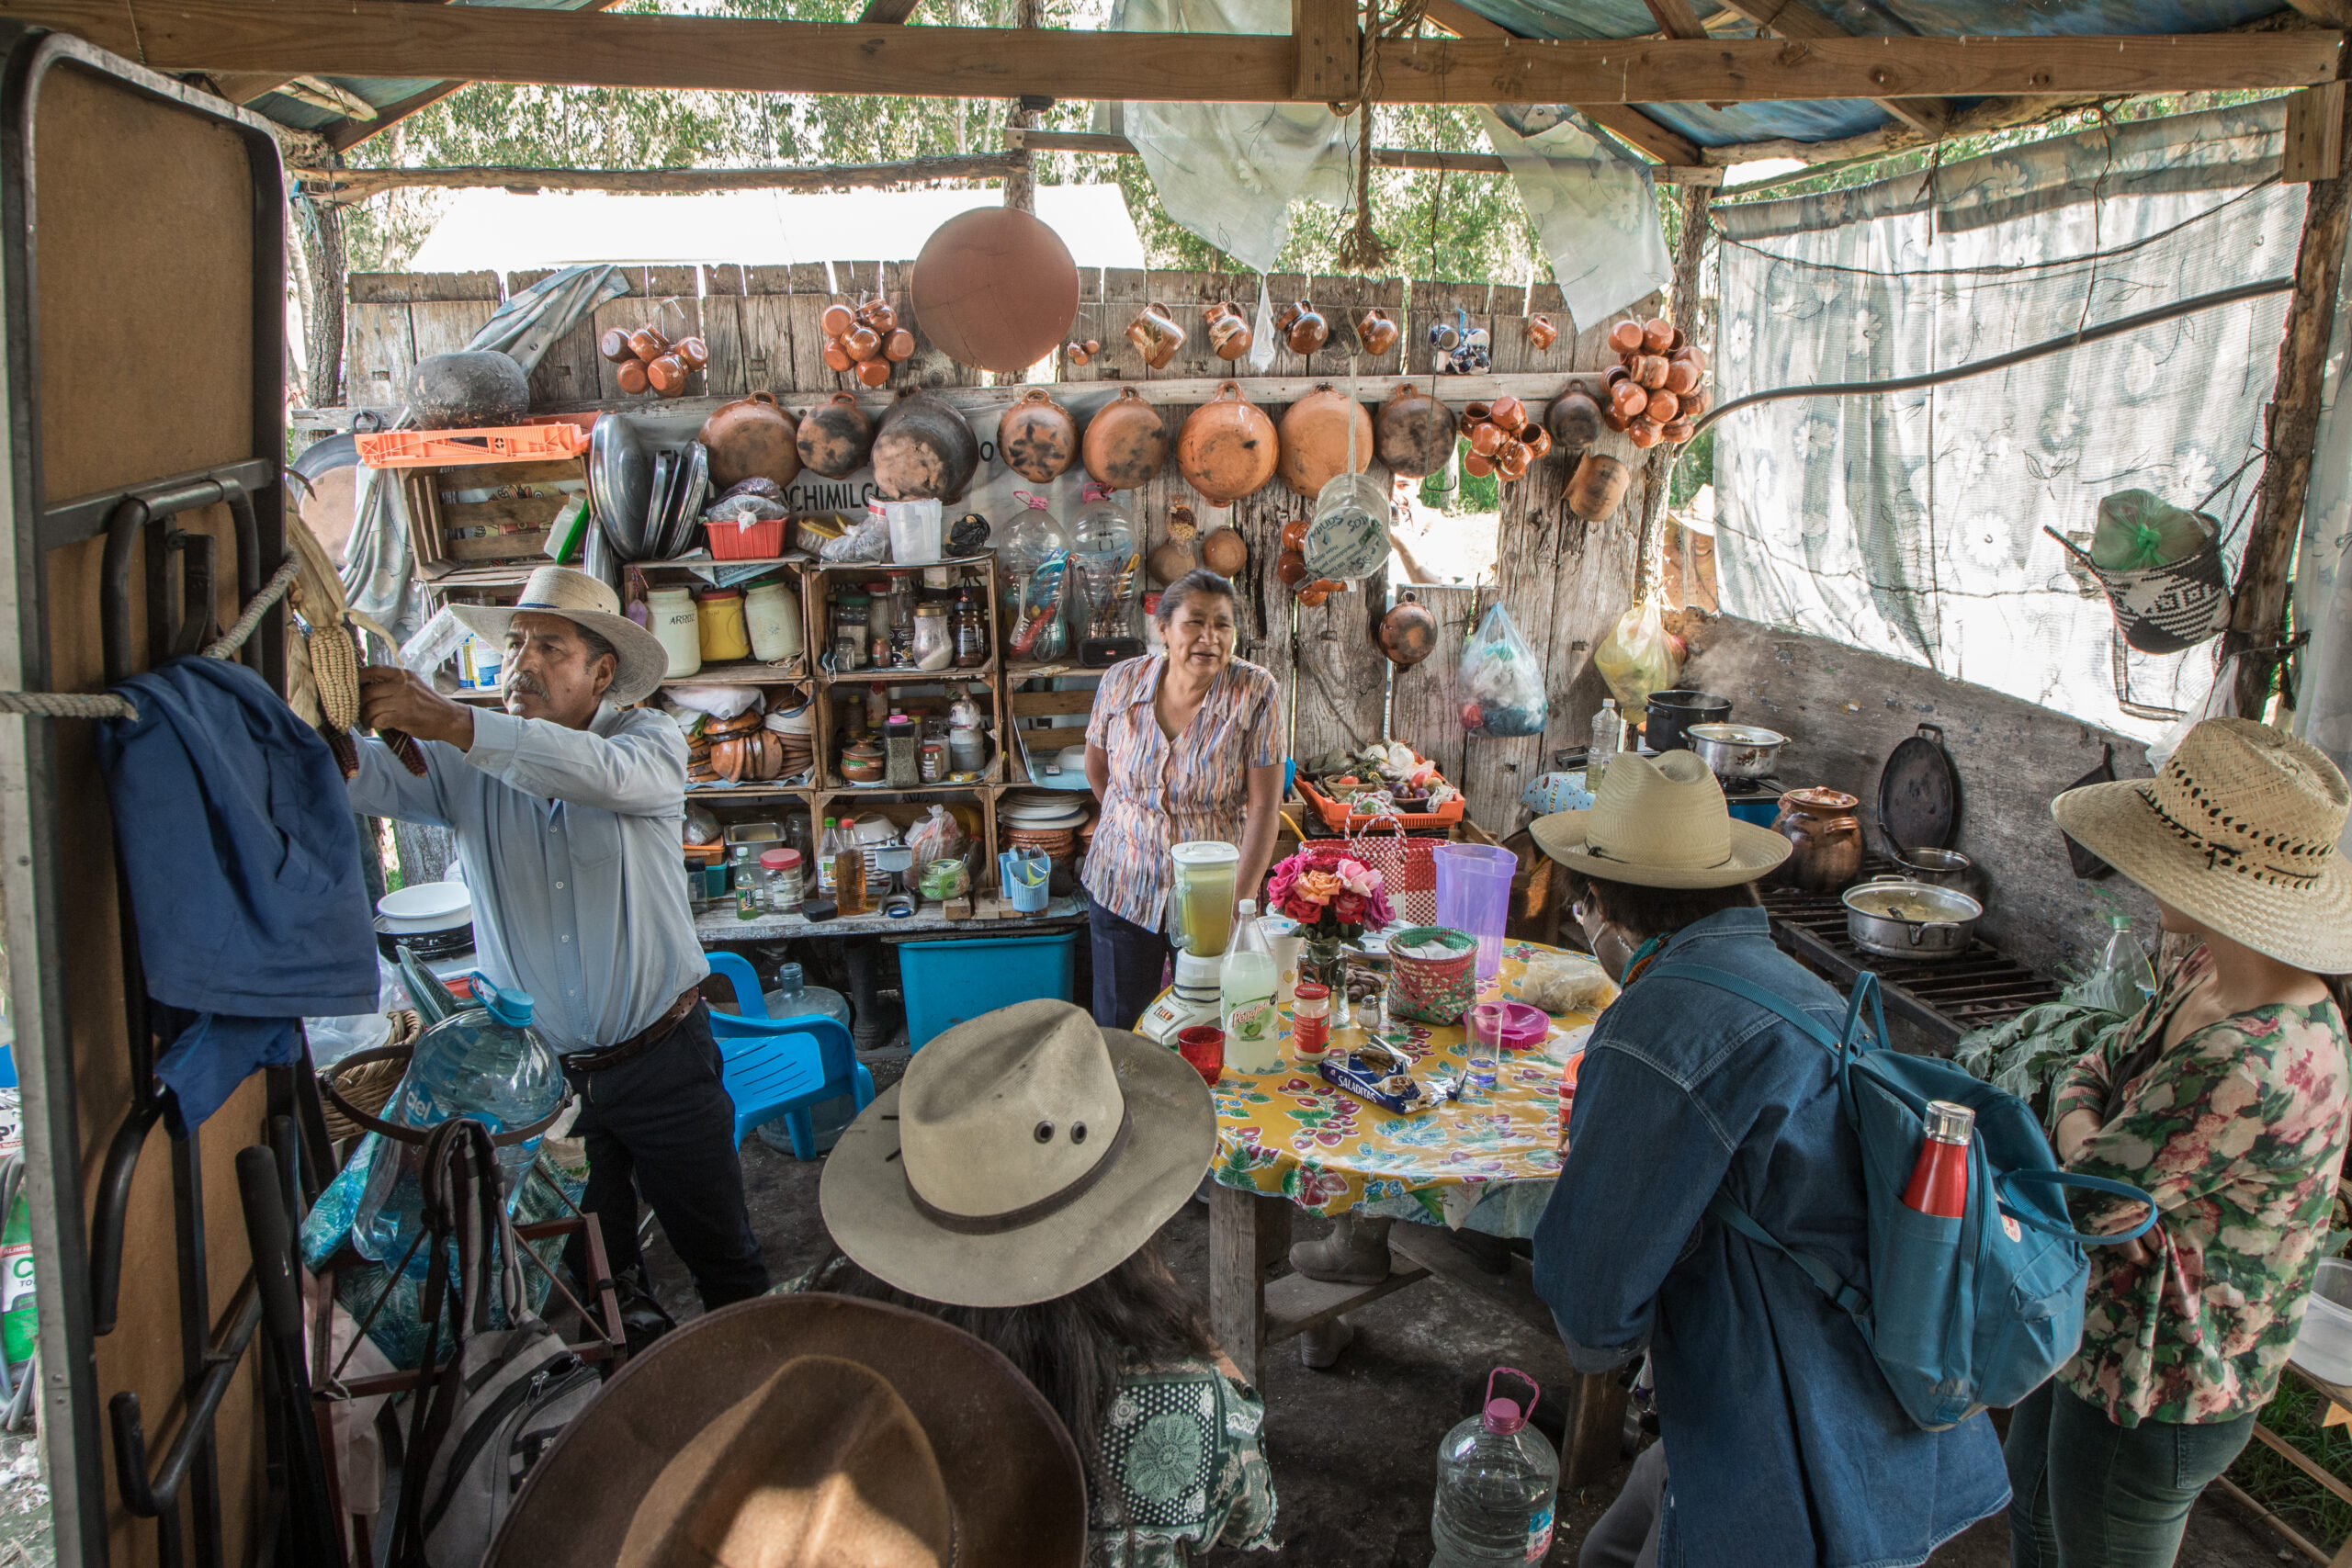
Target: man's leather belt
637,1045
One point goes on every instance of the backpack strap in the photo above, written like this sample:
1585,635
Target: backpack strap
1843,1048
1854,1301
2062,1180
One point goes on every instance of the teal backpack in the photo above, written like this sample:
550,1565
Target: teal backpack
1964,1313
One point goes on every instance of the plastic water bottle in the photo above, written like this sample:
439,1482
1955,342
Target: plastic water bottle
2127,960
1608,740
1246,982
793,997
485,1062
1497,1482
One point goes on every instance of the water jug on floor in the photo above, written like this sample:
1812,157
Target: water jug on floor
1496,1481
485,1062
794,997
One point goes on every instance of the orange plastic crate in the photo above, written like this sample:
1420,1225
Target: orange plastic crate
760,541
547,441
1339,819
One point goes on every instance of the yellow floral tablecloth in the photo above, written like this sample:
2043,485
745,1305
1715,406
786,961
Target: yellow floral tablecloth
1488,1163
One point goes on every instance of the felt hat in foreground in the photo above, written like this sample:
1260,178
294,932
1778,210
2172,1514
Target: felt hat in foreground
1025,1153
2239,832
798,1430
1660,822
584,601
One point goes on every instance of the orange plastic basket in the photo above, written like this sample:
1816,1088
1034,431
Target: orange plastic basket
546,441
1340,819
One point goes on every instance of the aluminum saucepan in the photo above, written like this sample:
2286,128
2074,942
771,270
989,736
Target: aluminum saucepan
1737,751
1942,868
1892,917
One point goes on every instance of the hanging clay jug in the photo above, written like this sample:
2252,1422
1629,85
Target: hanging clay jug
1303,327
1125,443
1313,433
1227,448
1542,332
751,438
1598,485
1574,420
1228,332
1037,438
1224,551
925,450
1408,634
1375,333
835,437
1415,432
1155,336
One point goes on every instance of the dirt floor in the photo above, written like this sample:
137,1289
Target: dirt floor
1353,1449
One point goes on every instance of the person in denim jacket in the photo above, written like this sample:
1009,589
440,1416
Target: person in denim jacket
1782,1443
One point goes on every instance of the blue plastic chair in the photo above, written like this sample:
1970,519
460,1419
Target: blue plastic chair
782,1066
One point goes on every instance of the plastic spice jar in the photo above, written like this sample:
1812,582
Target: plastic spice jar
773,613
673,620
724,635
849,631
1310,1021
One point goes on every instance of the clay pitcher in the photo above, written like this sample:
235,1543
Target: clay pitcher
752,438
925,450
1037,438
1303,328
1597,486
1125,443
1375,332
1227,448
1825,838
1408,633
1229,334
1155,336
1542,332
835,437
1314,434
1415,432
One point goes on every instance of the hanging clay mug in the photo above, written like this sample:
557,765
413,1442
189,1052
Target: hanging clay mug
1038,437
1597,487
1155,336
835,437
1542,332
1375,333
1229,334
1303,327
1227,448
1125,443
1315,432
1574,420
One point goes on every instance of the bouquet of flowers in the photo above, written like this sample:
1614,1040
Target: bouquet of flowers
1330,895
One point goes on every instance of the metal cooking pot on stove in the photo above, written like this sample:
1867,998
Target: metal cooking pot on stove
1672,713
1940,868
1892,917
1737,751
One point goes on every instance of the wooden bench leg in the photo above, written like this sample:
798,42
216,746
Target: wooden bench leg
1596,1429
1247,1232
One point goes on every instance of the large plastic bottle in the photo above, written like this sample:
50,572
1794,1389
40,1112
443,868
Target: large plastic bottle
1497,1482
487,1063
1246,982
793,997
1608,740
2127,961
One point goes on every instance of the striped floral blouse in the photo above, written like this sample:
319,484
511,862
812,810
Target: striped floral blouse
1163,791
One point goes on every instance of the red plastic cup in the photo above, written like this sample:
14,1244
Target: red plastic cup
1203,1045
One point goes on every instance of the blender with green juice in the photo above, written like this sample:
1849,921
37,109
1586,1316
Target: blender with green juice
1200,926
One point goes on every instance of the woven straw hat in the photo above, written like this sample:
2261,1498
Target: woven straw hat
1025,1153
1660,822
584,601
2239,832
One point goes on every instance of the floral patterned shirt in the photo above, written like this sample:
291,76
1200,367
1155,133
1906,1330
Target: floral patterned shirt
1183,1441
2236,1131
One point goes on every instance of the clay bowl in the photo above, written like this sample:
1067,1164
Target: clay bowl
996,288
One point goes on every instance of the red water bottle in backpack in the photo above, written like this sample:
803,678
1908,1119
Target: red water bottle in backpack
1939,1181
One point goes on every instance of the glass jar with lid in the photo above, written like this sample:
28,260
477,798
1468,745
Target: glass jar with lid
725,637
878,609
780,879
971,631
849,630
935,644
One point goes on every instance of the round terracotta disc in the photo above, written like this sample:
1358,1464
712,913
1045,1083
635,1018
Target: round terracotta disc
995,288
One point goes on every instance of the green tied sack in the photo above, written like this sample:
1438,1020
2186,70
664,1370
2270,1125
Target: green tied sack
2139,530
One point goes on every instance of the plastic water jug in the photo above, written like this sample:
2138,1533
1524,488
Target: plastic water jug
793,997
485,1062
1497,1482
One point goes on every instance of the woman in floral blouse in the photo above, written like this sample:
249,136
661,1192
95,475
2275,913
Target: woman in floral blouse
2225,1099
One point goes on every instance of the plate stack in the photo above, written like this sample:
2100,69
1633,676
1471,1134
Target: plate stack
1044,820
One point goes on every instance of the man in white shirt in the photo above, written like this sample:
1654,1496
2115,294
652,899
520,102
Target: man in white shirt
569,812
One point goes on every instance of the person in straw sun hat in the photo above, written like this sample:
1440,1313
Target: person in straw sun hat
1011,1184
1772,1404
569,808
806,1430
2223,1096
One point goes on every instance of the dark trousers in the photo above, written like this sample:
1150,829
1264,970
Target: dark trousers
662,1122
2085,1493
1128,962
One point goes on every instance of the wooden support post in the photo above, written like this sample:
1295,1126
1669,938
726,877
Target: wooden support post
2257,618
1328,51
319,232
2314,149
1689,260
1020,183
352,184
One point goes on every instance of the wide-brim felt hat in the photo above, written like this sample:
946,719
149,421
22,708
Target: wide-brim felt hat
781,1415
584,601
1025,1153
2241,832
1660,822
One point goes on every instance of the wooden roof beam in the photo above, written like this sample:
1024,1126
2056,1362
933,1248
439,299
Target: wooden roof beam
1627,124
495,43
1798,20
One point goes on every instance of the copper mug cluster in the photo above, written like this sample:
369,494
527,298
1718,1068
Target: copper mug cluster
1290,567
1157,336
1505,436
1303,327
1654,392
867,339
1228,329
645,361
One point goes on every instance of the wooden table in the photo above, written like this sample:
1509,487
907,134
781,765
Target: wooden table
1289,1140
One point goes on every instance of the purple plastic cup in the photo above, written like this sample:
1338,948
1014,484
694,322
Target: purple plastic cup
1473,895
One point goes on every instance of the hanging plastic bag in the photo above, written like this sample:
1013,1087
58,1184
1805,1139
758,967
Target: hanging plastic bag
1501,684
1637,658
2139,530
935,838
866,540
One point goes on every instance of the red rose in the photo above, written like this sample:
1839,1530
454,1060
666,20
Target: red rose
1306,911
1349,906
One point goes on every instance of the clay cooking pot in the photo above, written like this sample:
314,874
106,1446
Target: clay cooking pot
1408,633
1125,443
1038,437
752,438
1574,420
1227,448
925,450
477,387
1314,434
835,437
1415,432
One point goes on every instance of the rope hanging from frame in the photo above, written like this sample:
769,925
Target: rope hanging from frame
1362,250
104,705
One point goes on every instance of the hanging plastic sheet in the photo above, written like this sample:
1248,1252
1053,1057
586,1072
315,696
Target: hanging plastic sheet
1594,208
377,561
528,324
2323,687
